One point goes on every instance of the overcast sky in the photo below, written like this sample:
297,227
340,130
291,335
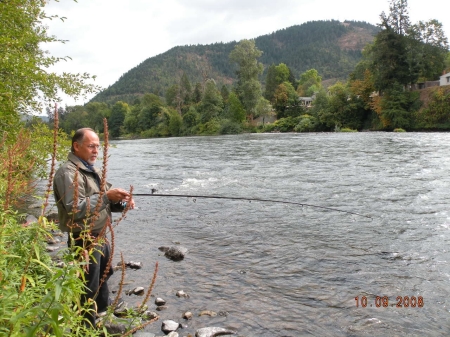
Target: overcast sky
107,38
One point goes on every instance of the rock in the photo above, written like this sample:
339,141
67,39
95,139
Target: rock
138,291
52,240
159,301
115,328
51,249
161,308
149,315
181,293
208,313
213,331
53,216
174,253
134,265
144,334
187,315
121,312
173,334
30,219
60,264
169,326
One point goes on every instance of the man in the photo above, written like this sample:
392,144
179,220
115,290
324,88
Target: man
76,210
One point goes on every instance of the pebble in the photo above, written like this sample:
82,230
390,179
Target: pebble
208,313
187,315
181,293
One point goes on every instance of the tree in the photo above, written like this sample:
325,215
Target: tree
198,93
286,100
398,18
236,111
225,93
25,81
271,82
212,103
248,87
402,53
118,112
309,83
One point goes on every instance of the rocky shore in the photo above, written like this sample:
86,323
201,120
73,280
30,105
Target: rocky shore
118,324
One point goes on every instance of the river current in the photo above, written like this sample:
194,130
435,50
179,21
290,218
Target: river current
273,269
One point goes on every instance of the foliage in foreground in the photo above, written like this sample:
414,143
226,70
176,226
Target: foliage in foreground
40,297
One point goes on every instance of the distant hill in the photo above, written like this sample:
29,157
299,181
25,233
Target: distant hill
333,48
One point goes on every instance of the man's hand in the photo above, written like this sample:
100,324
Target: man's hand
117,194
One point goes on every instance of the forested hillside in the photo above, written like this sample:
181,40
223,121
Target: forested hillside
332,48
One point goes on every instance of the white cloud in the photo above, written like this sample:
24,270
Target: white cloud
109,37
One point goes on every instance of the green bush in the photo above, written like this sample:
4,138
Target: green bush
399,130
347,130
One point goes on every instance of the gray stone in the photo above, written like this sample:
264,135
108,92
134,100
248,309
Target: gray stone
173,334
213,332
187,315
181,293
51,249
169,326
159,301
138,291
174,253
149,315
144,334
134,265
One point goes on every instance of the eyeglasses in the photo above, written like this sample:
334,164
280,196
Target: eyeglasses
93,146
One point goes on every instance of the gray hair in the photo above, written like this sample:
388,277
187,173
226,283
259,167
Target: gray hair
79,136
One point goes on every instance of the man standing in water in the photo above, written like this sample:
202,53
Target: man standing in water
77,202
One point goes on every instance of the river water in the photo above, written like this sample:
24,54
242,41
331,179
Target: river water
284,270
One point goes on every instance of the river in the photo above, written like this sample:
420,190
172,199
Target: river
275,269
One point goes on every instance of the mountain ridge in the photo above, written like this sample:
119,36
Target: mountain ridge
332,47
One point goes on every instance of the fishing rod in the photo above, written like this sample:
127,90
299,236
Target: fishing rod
246,199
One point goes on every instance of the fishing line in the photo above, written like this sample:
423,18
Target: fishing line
246,199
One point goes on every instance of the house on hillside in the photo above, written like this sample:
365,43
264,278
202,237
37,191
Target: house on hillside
445,79
307,101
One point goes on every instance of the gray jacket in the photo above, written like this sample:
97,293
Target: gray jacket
88,197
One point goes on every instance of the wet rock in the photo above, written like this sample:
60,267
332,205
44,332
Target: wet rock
115,328
149,315
138,291
213,331
134,265
53,216
174,253
52,240
207,313
159,301
30,219
181,293
51,249
169,326
187,315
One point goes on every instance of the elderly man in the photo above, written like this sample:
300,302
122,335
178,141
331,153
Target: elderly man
76,210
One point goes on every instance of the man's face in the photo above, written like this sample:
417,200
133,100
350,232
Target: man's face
88,148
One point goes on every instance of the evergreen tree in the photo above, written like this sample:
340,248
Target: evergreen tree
212,104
